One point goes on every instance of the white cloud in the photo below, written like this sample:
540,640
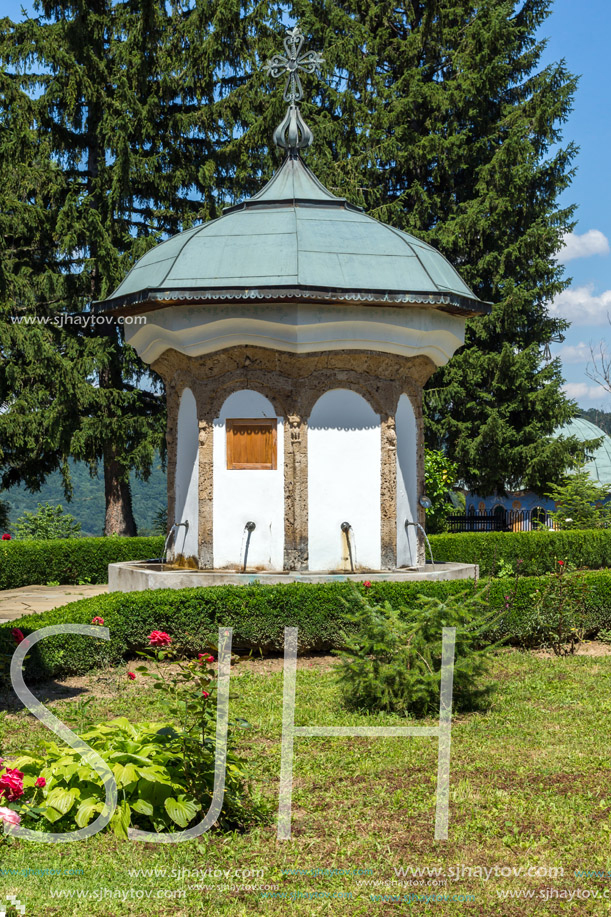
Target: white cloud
574,353
582,306
592,242
581,391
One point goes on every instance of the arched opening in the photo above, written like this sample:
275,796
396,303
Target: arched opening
248,484
344,480
407,483
186,503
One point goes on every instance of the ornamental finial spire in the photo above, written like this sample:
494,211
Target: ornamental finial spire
292,133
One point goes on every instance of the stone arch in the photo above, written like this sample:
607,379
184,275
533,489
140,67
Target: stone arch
186,485
344,482
247,495
407,483
228,387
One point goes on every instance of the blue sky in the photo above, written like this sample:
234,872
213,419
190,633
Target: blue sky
577,32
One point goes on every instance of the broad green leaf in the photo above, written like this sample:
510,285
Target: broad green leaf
87,809
123,723
143,806
60,799
121,820
181,810
154,792
52,815
125,774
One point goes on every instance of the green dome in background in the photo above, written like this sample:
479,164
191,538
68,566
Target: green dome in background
599,467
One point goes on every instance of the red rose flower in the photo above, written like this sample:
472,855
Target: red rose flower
205,694
131,676
97,620
159,638
18,635
11,784
205,657
41,782
367,584
561,562
6,537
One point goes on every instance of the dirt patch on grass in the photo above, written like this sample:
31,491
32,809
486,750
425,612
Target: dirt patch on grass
587,648
107,682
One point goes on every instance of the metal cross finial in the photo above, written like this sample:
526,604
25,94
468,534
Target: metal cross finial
293,134
292,63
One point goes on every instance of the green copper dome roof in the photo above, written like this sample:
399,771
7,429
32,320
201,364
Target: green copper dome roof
599,467
294,240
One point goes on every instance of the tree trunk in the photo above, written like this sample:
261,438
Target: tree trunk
119,515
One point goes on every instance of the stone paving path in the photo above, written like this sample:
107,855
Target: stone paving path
14,603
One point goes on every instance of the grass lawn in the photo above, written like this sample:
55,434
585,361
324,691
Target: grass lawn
530,789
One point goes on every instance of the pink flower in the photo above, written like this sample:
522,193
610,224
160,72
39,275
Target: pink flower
205,694
205,657
9,817
97,620
159,638
18,635
41,782
131,676
11,784
367,584
6,537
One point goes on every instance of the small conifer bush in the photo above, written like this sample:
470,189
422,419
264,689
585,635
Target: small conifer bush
392,659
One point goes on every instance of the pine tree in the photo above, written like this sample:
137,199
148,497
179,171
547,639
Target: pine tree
120,123
441,121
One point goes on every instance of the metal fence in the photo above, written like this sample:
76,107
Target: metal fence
513,520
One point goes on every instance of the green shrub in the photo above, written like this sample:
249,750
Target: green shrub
47,523
68,561
157,791
259,614
581,503
392,663
439,479
530,553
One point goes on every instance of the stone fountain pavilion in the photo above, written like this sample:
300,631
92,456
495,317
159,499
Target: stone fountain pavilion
294,335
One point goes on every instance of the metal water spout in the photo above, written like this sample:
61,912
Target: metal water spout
249,528
428,543
173,529
346,529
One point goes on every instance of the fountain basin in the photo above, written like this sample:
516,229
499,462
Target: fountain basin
136,576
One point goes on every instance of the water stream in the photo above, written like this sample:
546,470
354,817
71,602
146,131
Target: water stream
428,543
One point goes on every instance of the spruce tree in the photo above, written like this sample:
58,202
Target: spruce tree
119,125
438,118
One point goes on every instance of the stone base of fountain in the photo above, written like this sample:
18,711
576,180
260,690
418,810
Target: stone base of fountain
136,576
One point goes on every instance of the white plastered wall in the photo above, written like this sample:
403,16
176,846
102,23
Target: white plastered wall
344,473
407,483
242,495
185,542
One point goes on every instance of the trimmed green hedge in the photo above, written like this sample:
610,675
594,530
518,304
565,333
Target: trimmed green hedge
259,614
68,560
538,551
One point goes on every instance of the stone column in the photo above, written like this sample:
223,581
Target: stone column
388,493
173,401
295,493
205,488
416,397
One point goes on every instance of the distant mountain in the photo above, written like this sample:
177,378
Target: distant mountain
87,505
602,419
